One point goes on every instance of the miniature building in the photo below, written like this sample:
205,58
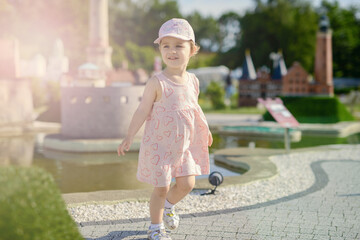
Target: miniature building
296,81
253,86
278,65
93,113
248,72
35,67
100,101
58,63
90,75
323,59
99,51
9,58
16,102
120,77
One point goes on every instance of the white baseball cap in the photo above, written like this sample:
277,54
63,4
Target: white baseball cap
177,28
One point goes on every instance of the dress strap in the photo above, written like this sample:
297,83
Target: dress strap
161,81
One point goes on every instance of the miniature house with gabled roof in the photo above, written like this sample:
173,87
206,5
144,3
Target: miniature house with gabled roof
293,82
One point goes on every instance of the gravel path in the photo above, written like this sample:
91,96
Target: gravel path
288,181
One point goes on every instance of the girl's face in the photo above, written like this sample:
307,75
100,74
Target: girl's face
175,52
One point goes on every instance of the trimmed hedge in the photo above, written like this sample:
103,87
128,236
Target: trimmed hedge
315,110
31,207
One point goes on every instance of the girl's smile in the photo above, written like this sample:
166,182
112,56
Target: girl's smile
173,58
175,52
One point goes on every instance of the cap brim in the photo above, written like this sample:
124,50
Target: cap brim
174,35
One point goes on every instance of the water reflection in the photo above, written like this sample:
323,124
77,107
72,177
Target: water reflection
85,172
222,141
16,151
78,172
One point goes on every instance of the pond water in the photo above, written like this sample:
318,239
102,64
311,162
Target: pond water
81,172
85,172
276,143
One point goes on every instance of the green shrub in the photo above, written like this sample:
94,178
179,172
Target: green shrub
31,207
202,59
234,101
216,95
346,90
315,110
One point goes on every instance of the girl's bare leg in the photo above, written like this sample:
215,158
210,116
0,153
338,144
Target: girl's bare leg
157,202
183,187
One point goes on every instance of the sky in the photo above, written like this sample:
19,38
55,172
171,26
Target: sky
216,7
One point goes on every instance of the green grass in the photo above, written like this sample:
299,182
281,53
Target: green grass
31,207
355,109
207,108
315,110
221,142
242,110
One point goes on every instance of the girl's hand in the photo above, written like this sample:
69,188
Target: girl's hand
124,146
210,139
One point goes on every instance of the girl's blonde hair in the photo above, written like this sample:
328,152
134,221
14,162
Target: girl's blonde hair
194,48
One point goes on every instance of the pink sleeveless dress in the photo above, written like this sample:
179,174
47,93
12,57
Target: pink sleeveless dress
175,141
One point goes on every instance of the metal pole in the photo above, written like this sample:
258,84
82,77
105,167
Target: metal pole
287,139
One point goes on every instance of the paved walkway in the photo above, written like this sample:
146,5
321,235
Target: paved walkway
330,209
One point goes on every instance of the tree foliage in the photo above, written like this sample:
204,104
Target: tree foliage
345,26
139,21
273,25
229,24
289,25
206,30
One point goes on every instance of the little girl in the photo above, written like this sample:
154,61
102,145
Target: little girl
176,136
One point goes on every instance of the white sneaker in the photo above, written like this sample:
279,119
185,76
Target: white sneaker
171,219
158,234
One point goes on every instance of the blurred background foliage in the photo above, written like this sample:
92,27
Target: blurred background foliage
289,25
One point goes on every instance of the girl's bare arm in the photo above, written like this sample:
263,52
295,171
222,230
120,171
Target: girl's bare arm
140,115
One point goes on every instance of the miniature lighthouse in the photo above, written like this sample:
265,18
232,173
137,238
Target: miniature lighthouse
99,51
323,58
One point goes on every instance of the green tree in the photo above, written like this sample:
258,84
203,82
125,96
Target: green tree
134,25
158,12
273,25
345,27
125,21
229,24
139,21
140,57
206,30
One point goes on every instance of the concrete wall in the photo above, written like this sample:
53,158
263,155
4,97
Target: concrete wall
16,103
88,112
